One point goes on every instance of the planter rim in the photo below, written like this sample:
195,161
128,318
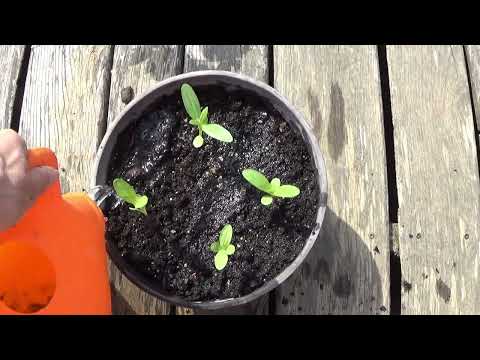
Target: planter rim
314,150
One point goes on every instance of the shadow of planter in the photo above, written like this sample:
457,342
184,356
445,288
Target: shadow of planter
339,276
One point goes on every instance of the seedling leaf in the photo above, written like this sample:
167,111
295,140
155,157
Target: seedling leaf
222,247
221,259
275,184
194,122
215,246
266,200
273,188
204,116
198,141
140,202
124,190
225,236
190,101
230,249
287,191
217,132
257,179
127,193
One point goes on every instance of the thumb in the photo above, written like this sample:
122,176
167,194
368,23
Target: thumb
38,180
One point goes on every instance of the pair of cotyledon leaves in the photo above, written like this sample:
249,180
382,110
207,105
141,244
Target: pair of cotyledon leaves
199,118
128,194
222,247
272,188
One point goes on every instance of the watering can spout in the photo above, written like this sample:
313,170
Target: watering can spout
54,260
104,197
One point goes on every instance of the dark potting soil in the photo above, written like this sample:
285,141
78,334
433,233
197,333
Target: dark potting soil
193,193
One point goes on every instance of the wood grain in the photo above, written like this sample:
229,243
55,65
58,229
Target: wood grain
473,59
250,60
10,62
139,67
259,306
337,88
64,106
437,180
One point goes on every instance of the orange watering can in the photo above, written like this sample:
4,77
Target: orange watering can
54,261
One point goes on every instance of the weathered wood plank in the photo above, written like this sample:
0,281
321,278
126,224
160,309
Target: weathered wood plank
337,88
250,60
473,58
437,180
256,307
10,62
138,67
141,67
64,106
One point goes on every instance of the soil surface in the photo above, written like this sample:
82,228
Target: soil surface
193,193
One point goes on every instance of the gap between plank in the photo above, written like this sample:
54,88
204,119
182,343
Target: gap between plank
20,89
183,53
472,105
395,262
102,127
270,64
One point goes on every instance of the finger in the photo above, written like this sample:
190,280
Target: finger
12,139
13,148
38,180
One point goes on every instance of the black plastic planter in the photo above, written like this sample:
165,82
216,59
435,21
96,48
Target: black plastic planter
230,81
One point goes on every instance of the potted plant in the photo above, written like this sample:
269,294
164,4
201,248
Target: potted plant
222,187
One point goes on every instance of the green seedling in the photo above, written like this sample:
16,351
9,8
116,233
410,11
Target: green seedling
272,188
199,118
127,193
222,248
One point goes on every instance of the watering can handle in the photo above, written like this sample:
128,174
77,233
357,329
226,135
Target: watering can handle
45,157
42,157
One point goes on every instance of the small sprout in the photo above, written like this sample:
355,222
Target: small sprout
222,248
266,200
198,141
127,193
272,188
199,118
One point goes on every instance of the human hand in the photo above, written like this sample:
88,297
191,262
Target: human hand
19,185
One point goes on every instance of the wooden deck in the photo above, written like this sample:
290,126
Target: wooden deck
396,126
